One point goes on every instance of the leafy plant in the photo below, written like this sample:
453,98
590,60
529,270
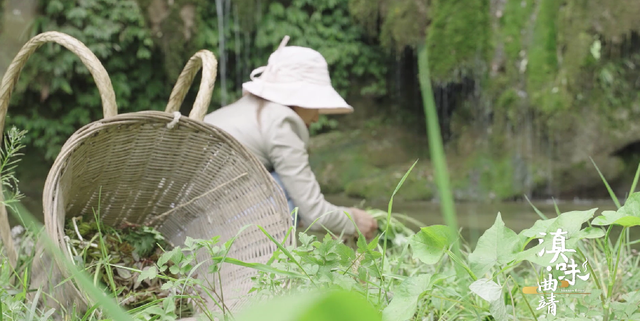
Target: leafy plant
9,159
323,124
56,94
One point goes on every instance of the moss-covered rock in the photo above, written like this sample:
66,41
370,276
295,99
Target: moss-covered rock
542,68
513,21
360,166
418,186
458,38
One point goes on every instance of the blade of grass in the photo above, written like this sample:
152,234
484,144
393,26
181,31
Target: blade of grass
89,312
612,281
111,307
32,309
611,193
314,222
386,230
436,146
285,251
555,205
261,267
294,236
459,262
635,181
542,216
103,249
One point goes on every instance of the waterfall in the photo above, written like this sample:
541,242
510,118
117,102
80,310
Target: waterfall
238,61
221,53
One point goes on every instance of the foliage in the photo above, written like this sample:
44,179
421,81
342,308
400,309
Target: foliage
56,94
324,123
333,35
408,289
119,258
9,159
502,264
253,30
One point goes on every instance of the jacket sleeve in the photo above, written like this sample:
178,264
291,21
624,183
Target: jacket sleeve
290,160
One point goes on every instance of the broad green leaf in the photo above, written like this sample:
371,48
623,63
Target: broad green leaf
608,218
628,221
498,245
569,222
538,226
174,256
405,298
486,289
632,204
316,306
589,233
627,215
429,244
148,273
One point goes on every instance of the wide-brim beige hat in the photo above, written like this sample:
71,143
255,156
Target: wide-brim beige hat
297,76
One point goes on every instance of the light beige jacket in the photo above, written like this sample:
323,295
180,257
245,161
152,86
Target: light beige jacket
280,143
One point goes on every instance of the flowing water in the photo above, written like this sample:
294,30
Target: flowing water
222,53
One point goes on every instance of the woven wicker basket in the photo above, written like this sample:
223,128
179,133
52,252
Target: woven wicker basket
178,175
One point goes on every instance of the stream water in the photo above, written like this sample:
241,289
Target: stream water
475,218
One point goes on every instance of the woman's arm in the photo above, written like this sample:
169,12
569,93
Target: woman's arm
291,161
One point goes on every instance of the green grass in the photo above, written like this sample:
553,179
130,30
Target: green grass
411,277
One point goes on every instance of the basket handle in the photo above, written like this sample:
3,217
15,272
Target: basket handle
100,76
10,79
209,64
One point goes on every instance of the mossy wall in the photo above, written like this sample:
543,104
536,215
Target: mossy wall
555,84
458,38
542,68
513,21
565,89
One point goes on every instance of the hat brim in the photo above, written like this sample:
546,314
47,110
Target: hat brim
304,95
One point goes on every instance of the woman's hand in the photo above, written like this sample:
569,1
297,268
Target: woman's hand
367,225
